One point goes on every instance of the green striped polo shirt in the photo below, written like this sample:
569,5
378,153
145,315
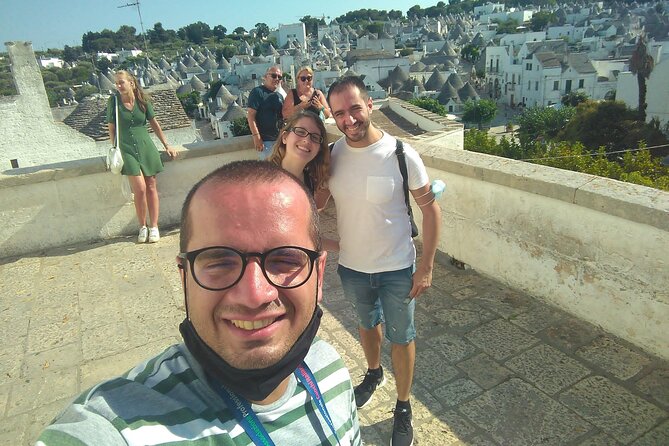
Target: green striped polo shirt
167,401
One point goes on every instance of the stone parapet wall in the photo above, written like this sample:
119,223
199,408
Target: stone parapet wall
595,247
79,201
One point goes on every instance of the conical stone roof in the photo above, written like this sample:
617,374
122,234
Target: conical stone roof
417,67
455,81
197,84
447,93
409,85
467,92
436,81
185,89
234,112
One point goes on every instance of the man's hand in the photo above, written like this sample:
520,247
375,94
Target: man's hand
422,280
257,142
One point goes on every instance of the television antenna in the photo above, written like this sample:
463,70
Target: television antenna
141,24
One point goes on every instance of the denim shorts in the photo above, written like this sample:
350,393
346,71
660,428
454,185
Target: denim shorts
267,147
382,298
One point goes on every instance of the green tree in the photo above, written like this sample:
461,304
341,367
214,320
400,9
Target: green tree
227,51
49,76
429,104
103,64
311,24
542,123
541,20
470,53
415,12
240,31
72,53
395,14
84,91
195,32
240,127
480,112
507,27
125,37
262,30
158,35
573,98
611,125
190,102
641,64
375,27
219,32
103,44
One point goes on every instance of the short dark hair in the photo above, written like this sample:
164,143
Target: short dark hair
246,172
345,82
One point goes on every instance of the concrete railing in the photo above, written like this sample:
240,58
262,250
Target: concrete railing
79,201
594,247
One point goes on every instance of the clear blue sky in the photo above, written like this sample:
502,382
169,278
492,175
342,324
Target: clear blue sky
56,23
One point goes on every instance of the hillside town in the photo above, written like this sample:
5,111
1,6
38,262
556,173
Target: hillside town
584,48
543,309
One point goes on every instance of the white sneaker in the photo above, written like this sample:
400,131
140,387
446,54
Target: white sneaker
143,234
154,235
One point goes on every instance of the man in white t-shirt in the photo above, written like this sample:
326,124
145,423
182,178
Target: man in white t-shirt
377,259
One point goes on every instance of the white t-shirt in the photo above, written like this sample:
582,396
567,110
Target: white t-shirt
372,219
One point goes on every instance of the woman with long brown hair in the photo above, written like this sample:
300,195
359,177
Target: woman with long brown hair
302,150
141,160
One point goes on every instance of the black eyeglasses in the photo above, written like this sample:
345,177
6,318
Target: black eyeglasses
275,76
306,78
218,268
302,132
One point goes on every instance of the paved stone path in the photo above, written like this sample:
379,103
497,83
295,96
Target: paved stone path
495,367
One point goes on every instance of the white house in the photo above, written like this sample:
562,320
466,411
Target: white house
289,33
46,62
124,54
489,8
377,66
657,90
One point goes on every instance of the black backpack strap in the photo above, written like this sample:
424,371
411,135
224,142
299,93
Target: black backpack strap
399,152
401,160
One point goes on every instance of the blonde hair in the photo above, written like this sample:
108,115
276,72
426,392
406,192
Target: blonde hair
304,68
319,167
141,96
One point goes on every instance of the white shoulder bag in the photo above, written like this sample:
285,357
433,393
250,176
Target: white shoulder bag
114,157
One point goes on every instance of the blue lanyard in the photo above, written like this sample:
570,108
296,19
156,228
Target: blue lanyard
309,382
249,420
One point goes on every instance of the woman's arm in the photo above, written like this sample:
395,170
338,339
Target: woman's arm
288,106
161,136
321,103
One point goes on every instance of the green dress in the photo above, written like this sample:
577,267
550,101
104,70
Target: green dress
138,150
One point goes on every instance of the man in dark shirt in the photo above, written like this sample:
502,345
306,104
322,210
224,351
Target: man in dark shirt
264,112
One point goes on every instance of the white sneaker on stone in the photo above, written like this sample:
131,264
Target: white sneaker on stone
143,234
154,235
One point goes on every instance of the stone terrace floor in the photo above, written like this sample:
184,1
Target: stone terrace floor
495,366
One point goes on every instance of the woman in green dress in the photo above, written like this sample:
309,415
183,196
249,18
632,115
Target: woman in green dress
141,160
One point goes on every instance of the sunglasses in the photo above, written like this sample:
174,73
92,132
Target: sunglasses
306,78
275,76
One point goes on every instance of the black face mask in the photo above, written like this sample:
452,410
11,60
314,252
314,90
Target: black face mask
253,384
